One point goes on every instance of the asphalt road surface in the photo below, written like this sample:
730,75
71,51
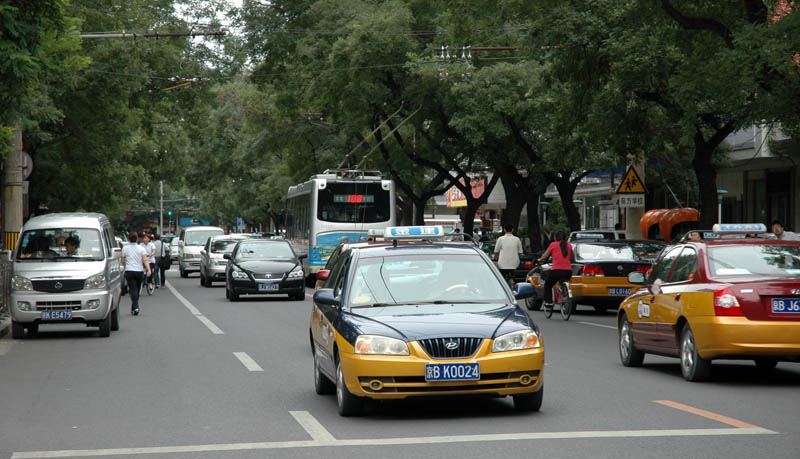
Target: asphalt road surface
195,376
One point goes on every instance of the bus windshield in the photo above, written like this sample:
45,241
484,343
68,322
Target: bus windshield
345,202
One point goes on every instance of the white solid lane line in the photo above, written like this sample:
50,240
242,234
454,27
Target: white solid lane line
248,361
598,325
196,312
392,441
317,431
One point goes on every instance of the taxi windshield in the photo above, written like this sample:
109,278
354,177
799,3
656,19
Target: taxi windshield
421,279
754,260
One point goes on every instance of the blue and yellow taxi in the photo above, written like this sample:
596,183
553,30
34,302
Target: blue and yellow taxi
734,294
414,316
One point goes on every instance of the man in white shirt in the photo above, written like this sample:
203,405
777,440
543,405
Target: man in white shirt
506,252
777,229
150,248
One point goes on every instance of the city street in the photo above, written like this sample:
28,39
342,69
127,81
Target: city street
195,375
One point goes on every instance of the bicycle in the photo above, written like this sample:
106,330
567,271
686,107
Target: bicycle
148,284
561,297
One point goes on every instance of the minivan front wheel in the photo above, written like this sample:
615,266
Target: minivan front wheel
105,326
17,330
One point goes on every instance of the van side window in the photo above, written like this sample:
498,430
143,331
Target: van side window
108,238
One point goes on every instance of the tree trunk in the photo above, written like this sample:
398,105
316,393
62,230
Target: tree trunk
707,182
566,191
534,230
419,212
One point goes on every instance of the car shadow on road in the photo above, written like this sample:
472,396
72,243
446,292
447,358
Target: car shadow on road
53,334
744,373
450,408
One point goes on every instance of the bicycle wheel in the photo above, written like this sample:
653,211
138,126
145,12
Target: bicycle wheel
564,301
547,308
150,286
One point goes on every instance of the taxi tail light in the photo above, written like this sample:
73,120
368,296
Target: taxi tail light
643,269
726,304
592,270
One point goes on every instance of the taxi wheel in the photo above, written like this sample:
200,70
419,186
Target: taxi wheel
322,385
184,274
115,319
17,330
233,296
533,303
529,402
766,364
628,354
349,404
693,367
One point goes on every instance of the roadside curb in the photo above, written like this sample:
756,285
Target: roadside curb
5,325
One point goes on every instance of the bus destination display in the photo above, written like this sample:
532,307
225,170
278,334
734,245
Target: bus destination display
354,198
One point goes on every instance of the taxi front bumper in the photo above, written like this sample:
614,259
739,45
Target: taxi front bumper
740,337
398,377
84,306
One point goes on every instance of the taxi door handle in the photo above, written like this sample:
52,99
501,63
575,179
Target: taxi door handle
677,297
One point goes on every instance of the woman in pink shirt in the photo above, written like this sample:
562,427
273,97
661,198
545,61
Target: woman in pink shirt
561,269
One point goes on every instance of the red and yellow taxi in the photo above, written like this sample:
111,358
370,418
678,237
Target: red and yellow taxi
421,318
731,296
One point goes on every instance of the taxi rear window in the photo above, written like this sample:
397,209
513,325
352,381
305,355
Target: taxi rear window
754,260
605,252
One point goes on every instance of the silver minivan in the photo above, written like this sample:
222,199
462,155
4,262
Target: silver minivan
192,240
66,268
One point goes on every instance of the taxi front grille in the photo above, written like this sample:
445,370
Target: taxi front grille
450,348
417,384
58,285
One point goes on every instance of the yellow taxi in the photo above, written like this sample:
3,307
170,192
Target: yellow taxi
731,295
413,316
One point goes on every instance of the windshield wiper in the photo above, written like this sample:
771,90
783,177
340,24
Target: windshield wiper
416,303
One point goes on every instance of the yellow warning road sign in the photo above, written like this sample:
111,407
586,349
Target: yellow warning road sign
631,183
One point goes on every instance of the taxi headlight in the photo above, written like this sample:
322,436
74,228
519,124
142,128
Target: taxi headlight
237,273
514,341
96,281
21,283
297,272
373,344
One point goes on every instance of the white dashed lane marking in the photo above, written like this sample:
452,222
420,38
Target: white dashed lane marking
196,312
247,361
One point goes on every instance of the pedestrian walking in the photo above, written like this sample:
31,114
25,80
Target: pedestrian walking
150,249
506,252
548,237
134,258
158,272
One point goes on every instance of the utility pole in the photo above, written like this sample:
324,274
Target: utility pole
161,209
12,191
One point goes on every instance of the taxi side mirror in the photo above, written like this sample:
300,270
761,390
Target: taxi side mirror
523,290
302,255
226,256
636,277
202,252
325,296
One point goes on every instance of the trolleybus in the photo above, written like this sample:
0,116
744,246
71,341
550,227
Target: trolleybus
334,207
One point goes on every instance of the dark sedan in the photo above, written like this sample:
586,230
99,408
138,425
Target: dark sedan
264,267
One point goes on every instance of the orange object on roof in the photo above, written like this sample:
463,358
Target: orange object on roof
650,218
674,217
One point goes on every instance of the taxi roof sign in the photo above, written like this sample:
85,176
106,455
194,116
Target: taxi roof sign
374,232
739,228
631,183
396,233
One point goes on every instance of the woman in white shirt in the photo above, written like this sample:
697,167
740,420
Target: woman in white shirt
134,258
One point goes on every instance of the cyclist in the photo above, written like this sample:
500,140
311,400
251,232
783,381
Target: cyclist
561,268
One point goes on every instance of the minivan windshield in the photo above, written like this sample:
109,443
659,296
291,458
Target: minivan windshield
199,237
61,244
